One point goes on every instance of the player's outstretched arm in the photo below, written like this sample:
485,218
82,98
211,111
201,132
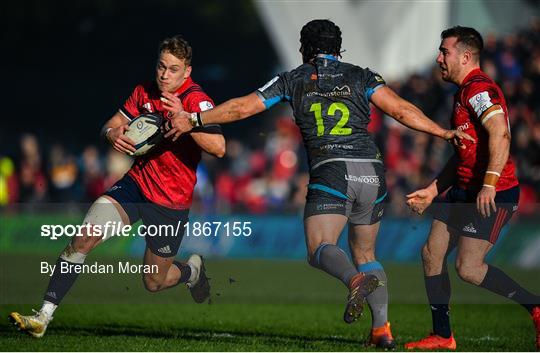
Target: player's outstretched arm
409,115
421,199
232,110
499,150
113,131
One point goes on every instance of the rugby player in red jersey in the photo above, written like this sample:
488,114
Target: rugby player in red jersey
483,195
157,189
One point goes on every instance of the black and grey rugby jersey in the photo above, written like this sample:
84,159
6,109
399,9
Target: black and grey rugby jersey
330,102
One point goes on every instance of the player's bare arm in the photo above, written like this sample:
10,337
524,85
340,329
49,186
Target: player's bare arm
213,144
495,124
421,199
114,130
409,115
232,110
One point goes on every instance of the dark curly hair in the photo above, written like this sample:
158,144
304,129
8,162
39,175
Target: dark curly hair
319,37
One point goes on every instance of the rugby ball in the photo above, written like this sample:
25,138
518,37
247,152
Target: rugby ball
145,132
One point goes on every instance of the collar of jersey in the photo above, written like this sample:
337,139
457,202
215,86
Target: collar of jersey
187,83
327,56
470,75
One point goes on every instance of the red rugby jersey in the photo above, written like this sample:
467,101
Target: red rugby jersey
167,174
477,94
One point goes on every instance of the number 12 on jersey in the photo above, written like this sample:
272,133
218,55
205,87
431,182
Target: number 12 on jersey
340,128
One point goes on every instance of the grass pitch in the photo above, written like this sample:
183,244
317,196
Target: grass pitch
256,306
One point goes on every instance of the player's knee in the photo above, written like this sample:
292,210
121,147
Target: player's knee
105,218
468,272
152,283
432,261
430,257
427,255
315,253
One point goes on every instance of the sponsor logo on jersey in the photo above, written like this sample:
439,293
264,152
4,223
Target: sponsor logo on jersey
329,206
335,145
469,228
463,127
337,91
344,88
323,75
480,102
365,179
205,105
148,107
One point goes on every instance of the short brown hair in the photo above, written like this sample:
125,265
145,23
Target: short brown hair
467,36
177,46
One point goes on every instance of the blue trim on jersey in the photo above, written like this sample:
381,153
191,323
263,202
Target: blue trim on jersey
328,190
381,198
318,252
327,56
369,92
370,266
271,101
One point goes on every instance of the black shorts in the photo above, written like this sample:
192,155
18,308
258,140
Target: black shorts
351,188
458,211
165,244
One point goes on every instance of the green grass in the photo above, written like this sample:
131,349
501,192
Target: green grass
256,306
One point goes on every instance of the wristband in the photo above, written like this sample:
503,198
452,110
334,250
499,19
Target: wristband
492,172
491,178
488,186
195,119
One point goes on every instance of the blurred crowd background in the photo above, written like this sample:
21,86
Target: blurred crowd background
265,170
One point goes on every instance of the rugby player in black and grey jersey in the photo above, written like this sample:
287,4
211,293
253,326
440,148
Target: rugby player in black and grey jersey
331,104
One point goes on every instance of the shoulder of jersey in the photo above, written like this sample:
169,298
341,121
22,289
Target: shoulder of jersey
194,87
147,86
480,78
146,89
